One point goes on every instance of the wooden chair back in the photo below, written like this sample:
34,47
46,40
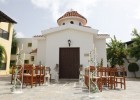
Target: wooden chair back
29,76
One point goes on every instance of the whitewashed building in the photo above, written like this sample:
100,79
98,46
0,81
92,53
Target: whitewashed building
65,48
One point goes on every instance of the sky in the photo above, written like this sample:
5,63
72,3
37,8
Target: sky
113,17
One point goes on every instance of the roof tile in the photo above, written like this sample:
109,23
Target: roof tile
72,13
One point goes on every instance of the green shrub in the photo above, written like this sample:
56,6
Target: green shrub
133,67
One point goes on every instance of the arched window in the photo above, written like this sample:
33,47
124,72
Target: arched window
4,60
71,22
80,24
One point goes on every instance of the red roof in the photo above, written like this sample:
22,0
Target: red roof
102,35
72,13
38,36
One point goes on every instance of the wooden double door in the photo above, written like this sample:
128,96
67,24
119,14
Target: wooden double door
69,63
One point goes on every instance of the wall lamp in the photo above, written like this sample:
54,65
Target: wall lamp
69,42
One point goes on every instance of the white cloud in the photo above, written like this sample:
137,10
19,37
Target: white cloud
42,3
59,7
20,35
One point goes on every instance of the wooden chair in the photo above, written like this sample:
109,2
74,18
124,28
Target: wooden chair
86,77
42,74
111,81
95,79
19,74
29,76
98,77
86,80
105,75
117,76
120,77
37,72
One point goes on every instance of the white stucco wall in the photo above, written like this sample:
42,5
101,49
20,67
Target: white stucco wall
54,41
34,43
41,53
24,42
100,44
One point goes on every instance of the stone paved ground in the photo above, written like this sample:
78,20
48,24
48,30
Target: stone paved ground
69,90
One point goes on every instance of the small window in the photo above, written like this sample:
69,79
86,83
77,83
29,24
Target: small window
80,24
13,49
32,58
29,44
71,22
4,34
12,63
63,23
26,61
3,66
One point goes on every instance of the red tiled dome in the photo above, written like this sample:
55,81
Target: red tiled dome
72,14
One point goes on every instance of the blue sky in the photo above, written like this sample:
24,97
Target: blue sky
114,17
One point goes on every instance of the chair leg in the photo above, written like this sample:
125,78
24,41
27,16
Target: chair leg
124,84
111,82
39,80
115,83
121,82
31,82
101,86
35,81
11,80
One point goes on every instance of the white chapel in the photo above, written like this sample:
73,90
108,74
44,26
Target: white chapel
66,47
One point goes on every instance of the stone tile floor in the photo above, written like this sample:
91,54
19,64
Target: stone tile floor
69,90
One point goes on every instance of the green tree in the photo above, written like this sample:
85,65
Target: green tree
116,52
134,48
1,54
134,51
133,67
14,43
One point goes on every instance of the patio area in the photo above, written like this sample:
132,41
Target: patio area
69,90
